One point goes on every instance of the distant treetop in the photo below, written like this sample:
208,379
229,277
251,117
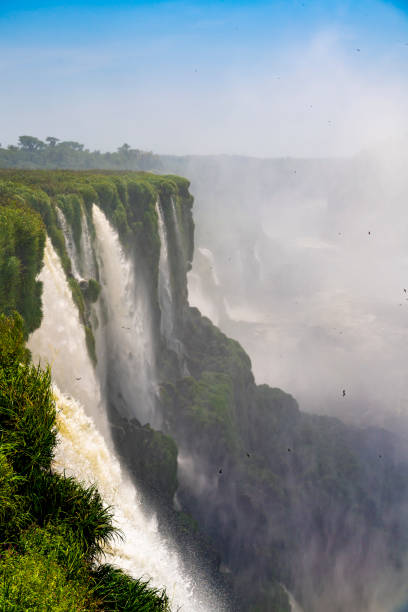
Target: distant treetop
31,152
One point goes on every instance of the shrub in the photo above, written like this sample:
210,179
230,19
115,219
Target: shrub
119,592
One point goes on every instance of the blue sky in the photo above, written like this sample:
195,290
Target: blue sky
260,78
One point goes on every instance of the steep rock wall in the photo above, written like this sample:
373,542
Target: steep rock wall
285,497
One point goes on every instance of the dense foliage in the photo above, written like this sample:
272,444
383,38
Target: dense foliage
22,238
31,152
30,202
52,528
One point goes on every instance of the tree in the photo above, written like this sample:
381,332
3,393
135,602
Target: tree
31,143
125,148
52,141
72,144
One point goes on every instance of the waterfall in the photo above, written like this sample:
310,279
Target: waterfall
164,289
294,606
82,452
84,448
204,286
165,292
124,337
179,238
87,261
60,340
69,243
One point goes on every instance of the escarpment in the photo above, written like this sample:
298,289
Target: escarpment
268,498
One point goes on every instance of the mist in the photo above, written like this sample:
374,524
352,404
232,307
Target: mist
305,263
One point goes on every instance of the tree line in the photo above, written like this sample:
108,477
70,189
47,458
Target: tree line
32,152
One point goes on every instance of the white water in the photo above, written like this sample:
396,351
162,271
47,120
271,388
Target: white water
294,606
124,339
204,286
164,289
69,244
87,262
82,452
60,340
85,453
179,238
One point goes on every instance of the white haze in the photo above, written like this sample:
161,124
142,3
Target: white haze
306,264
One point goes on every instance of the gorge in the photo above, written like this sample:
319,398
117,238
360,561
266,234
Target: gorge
205,469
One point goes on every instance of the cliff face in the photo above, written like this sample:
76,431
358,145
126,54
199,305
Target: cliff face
288,497
284,497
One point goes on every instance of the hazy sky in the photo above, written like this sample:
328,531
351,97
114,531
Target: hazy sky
261,78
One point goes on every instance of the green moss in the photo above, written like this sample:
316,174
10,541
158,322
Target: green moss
151,456
92,290
90,343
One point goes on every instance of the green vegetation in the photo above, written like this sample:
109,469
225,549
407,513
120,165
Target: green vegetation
22,238
31,152
52,528
150,455
29,204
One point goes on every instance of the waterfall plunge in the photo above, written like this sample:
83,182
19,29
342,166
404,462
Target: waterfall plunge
85,453
82,452
60,341
124,340
69,243
164,289
87,261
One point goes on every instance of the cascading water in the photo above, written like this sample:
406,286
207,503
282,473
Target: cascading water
124,337
60,340
82,452
164,289
179,237
204,286
87,260
69,243
294,606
